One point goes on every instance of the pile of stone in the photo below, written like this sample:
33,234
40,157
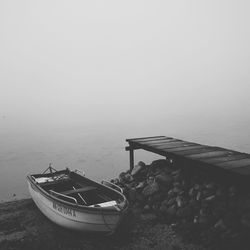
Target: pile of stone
187,200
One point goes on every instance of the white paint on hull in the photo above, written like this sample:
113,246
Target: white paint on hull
75,219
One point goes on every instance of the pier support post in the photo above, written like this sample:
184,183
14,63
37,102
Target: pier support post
131,158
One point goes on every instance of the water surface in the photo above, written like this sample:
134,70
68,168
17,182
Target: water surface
100,150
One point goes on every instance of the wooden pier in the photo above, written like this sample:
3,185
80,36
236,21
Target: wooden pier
219,160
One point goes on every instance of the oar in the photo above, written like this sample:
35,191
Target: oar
80,196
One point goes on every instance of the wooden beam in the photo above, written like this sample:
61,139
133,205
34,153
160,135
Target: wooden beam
128,148
147,138
131,158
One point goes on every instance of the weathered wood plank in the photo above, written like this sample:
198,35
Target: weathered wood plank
227,158
206,155
186,148
245,171
201,150
174,145
147,138
235,164
160,141
161,144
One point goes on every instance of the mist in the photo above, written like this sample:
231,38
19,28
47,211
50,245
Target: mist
71,70
66,62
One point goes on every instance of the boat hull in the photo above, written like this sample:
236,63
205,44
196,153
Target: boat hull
80,219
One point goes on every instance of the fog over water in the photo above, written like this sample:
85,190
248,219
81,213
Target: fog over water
79,77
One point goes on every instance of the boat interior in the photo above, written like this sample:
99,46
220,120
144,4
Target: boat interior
77,189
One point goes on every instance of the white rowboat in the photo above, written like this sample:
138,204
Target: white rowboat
73,201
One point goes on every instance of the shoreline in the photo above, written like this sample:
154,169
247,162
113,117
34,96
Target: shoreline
23,226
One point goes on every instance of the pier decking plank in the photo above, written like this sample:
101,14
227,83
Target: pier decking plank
187,149
208,154
217,157
235,164
173,145
221,159
196,151
161,141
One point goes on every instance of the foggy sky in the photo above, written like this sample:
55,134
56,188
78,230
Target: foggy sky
74,61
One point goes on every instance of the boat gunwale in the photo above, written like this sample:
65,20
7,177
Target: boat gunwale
81,208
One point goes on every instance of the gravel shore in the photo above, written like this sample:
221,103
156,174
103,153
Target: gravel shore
23,226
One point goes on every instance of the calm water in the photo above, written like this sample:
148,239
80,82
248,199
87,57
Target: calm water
100,150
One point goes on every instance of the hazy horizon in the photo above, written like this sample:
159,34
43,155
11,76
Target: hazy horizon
65,62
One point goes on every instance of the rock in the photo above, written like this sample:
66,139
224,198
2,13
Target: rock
198,196
128,177
210,185
177,190
132,194
115,181
171,201
245,220
208,190
135,196
130,185
136,210
219,209
220,193
220,225
177,178
164,202
157,197
232,191
141,185
203,218
210,198
156,207
194,201
231,220
191,192
150,188
122,177
163,208
147,217
180,201
184,212
176,172
137,168
140,197
171,210
171,193
146,208
164,179
160,164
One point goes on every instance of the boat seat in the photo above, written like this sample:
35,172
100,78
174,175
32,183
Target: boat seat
51,183
79,190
